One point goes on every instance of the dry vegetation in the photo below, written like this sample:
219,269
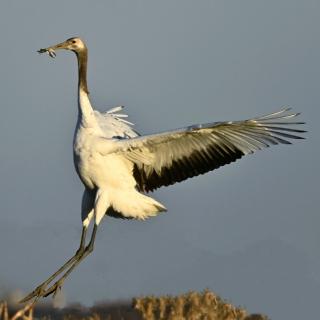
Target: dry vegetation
25,313
190,306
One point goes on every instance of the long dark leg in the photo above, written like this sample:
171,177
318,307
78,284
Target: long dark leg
40,290
88,249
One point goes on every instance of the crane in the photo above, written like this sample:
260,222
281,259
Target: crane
118,166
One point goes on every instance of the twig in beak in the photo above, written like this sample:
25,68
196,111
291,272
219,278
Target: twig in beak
49,51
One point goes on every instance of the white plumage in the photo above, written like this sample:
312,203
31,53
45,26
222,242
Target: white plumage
117,165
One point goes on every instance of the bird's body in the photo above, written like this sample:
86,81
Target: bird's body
118,166
109,175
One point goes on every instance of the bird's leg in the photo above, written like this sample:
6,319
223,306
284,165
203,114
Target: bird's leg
83,240
88,249
41,289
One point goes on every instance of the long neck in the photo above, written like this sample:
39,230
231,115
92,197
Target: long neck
86,115
82,67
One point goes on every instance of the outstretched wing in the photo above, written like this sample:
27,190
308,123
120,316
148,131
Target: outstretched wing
166,158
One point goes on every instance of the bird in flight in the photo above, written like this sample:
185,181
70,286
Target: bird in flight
118,166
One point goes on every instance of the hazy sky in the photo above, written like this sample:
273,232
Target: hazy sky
248,231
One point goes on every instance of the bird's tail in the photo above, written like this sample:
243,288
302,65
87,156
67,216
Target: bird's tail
133,204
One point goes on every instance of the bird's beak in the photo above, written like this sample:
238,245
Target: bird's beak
51,50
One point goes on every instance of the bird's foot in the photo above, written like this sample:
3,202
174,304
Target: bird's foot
37,293
55,288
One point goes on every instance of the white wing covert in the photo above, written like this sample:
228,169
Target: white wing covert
166,158
114,125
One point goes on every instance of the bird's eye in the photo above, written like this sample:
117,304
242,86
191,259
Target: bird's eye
74,41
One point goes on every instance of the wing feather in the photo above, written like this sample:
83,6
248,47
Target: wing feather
166,158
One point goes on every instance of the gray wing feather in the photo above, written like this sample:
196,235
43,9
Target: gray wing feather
166,158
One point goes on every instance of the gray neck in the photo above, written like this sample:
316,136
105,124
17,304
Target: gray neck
86,114
82,66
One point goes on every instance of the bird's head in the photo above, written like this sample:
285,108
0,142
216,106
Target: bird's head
73,44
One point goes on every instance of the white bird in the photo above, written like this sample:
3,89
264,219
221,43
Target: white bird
118,166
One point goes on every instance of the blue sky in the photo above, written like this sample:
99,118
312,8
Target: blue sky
248,231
